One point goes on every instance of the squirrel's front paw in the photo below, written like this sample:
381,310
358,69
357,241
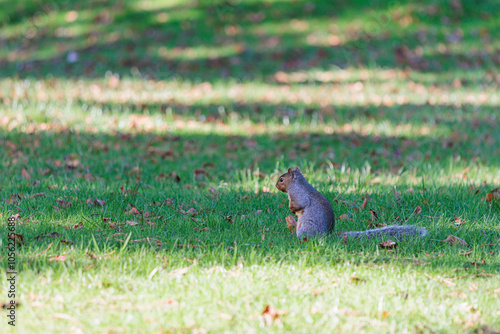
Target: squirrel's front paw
291,223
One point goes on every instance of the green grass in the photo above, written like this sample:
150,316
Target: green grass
244,90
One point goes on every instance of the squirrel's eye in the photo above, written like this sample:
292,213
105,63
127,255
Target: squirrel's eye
281,179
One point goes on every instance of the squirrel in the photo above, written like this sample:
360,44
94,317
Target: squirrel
315,213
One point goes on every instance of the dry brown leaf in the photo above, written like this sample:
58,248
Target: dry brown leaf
15,217
63,204
271,315
198,172
78,226
57,258
38,195
43,237
374,215
17,238
493,195
89,177
91,255
190,212
148,214
458,221
344,217
364,203
452,240
134,211
131,223
99,202
389,244
25,174
418,210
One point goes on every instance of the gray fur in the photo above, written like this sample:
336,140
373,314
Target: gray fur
393,231
316,216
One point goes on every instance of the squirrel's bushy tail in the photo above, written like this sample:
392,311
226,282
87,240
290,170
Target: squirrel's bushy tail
393,231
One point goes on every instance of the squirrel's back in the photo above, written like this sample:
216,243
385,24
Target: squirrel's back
317,216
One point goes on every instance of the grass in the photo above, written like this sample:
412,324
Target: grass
125,102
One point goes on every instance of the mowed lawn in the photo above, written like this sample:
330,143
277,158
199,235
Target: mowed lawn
140,143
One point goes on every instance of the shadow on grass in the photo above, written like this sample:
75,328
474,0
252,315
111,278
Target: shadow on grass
75,167
216,41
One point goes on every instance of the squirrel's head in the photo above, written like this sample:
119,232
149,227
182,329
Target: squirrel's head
286,179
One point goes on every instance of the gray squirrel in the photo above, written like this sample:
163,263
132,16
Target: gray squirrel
315,213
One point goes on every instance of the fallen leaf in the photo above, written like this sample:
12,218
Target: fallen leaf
15,217
89,177
493,195
25,174
99,202
43,237
57,258
198,172
63,204
190,212
451,239
364,203
374,215
389,244
418,210
458,221
17,238
38,195
131,223
91,255
36,183
134,211
66,242
78,226
271,315
8,304
344,217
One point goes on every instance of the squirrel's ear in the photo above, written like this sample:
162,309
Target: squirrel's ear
296,169
290,173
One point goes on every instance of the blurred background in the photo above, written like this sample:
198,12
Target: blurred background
387,83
